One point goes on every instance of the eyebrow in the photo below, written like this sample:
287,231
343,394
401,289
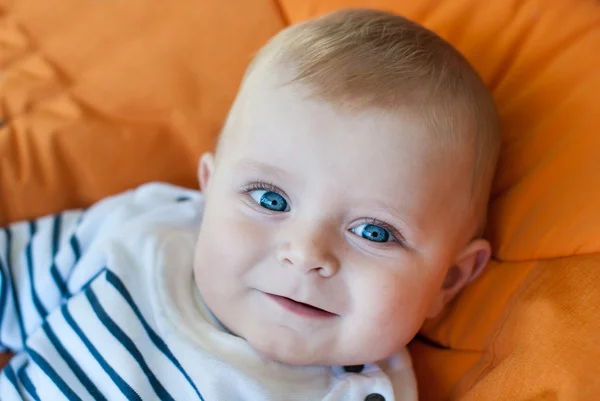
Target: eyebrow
261,167
413,223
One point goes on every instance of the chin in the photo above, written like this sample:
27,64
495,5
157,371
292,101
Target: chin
289,357
286,350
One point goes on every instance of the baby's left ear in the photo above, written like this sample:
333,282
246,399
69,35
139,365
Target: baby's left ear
469,264
206,168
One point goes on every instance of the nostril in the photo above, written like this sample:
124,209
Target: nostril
324,271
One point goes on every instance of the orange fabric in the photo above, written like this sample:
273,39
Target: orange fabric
100,96
542,344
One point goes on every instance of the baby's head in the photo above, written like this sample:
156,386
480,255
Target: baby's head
347,197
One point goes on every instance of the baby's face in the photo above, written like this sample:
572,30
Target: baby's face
327,234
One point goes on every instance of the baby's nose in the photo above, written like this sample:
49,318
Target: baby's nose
309,251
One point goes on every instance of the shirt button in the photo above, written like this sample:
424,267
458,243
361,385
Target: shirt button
354,368
375,397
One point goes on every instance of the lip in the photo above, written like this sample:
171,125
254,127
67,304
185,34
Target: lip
301,309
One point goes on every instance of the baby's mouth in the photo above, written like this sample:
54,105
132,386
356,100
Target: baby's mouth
300,308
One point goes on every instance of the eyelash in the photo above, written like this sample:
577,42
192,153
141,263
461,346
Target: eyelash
267,186
262,186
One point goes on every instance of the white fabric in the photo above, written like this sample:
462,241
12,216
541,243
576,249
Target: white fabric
101,305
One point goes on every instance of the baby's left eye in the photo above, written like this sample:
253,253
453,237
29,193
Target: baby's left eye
372,232
270,200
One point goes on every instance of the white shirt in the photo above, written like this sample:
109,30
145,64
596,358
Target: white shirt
101,305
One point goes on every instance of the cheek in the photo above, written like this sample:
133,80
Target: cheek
229,243
394,304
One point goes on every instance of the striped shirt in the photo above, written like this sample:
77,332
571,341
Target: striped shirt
101,305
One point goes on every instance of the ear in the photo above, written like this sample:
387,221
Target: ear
206,168
469,264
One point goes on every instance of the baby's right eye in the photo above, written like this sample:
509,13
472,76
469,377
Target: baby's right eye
270,200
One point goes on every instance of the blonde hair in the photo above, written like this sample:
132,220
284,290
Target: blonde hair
368,58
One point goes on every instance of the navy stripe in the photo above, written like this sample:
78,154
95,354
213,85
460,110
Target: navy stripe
52,375
27,383
15,294
75,247
56,224
66,356
12,378
3,294
127,343
28,254
158,342
60,283
90,281
74,241
126,390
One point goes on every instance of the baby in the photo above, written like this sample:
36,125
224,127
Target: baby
343,207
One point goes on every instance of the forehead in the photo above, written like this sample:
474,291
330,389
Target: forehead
286,123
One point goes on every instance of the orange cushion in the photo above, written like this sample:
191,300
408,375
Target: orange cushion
524,330
100,96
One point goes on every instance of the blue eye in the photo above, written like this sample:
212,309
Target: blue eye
270,200
372,232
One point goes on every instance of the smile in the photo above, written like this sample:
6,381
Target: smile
300,308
